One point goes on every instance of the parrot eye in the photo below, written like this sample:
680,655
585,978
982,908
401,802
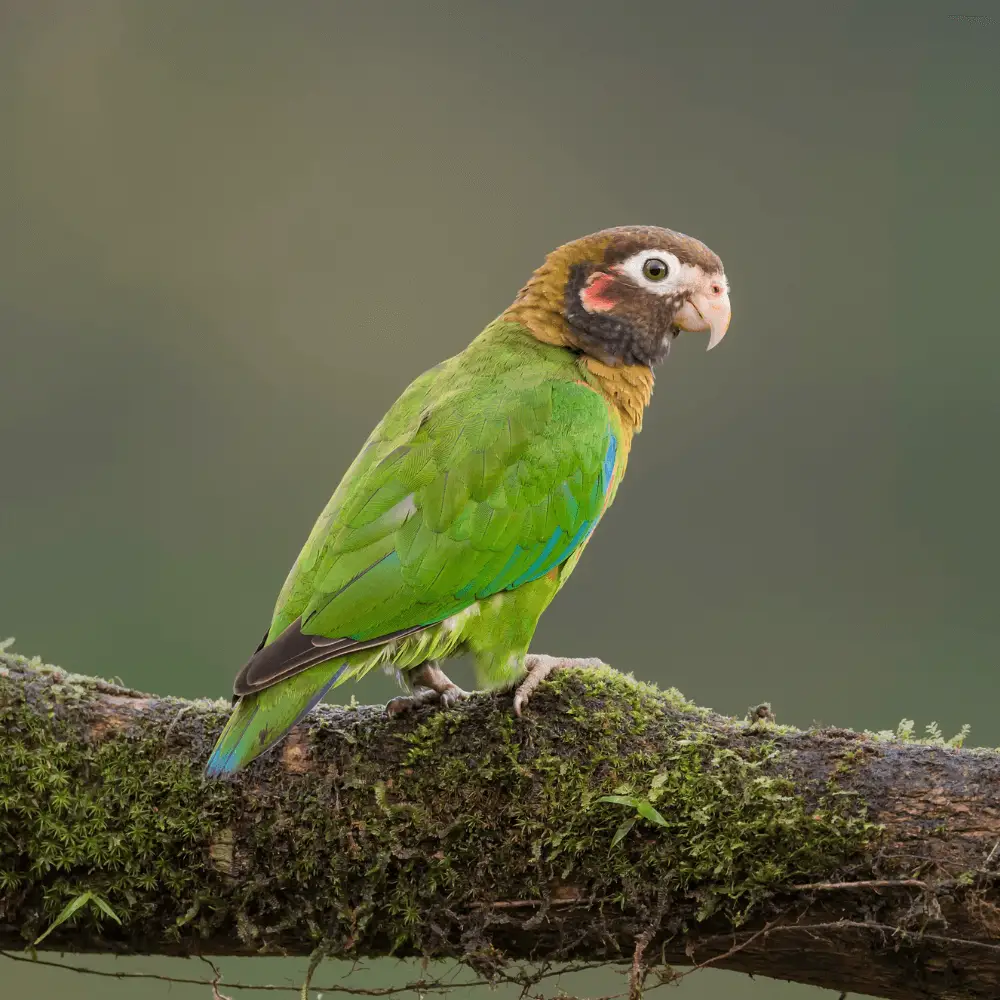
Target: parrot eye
655,269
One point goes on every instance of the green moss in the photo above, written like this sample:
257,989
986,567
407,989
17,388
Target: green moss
117,817
400,834
736,829
905,733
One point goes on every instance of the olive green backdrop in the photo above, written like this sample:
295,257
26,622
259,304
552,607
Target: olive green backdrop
234,231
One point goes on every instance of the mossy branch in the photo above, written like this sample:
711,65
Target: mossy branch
828,857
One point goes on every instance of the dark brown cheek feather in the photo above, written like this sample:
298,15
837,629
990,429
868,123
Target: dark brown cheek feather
632,333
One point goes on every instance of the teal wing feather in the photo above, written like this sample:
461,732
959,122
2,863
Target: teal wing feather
482,496
476,494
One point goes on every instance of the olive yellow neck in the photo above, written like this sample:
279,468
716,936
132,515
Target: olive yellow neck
629,387
539,309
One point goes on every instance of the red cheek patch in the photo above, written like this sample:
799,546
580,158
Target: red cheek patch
596,294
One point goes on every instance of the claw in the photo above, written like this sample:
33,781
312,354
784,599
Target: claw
430,685
410,702
452,696
539,666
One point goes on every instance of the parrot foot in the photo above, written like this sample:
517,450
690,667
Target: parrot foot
430,685
539,666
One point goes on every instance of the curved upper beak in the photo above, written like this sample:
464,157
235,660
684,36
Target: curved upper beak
706,311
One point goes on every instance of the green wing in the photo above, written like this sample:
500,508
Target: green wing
458,494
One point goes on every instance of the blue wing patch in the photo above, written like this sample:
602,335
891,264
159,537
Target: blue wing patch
608,469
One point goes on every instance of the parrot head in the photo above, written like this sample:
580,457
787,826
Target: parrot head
623,295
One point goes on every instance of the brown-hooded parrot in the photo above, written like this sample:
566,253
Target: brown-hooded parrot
472,500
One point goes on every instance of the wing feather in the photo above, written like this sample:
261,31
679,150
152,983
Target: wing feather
451,501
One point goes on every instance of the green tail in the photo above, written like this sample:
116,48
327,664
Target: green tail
261,720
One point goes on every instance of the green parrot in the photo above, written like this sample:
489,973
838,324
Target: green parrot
471,502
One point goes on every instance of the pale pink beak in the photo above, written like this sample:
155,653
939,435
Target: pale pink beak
706,311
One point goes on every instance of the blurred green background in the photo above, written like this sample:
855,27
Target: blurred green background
233,232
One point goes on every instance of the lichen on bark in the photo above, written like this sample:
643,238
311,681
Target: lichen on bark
381,832
473,835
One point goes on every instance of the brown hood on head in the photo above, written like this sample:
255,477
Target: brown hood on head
549,304
582,299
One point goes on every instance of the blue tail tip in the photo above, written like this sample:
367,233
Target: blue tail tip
222,765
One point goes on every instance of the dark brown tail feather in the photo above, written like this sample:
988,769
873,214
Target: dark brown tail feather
292,652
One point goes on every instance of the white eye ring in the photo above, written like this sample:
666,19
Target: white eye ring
678,277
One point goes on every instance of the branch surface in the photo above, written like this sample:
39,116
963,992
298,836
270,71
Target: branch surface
827,857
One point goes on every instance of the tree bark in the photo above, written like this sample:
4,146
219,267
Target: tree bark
827,857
